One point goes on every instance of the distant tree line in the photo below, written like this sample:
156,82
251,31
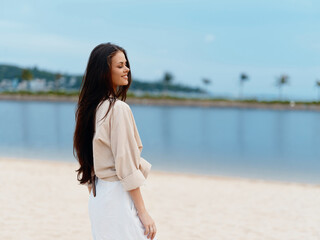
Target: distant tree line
281,81
164,85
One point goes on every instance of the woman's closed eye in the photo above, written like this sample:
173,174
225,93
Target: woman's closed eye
122,66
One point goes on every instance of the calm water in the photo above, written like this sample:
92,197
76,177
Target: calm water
265,144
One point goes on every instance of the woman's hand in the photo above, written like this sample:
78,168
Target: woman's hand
148,223
146,220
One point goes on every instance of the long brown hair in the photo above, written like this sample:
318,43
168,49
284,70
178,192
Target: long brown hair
96,87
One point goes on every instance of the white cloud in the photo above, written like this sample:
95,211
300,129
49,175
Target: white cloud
8,25
49,51
209,38
45,43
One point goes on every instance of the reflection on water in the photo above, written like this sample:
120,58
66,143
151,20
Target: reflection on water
269,144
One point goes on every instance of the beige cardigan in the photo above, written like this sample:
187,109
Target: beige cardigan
117,147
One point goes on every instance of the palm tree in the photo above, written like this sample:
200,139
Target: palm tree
243,77
56,81
167,80
318,86
206,81
26,74
281,81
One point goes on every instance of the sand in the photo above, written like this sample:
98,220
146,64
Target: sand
43,200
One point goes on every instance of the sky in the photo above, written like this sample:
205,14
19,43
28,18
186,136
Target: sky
193,40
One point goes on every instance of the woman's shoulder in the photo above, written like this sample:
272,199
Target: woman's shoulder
119,108
118,104
121,105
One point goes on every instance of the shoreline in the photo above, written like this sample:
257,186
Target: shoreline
172,102
176,173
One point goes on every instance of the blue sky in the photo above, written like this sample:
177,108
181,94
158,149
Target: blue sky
192,39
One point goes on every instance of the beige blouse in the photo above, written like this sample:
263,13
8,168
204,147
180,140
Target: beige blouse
117,147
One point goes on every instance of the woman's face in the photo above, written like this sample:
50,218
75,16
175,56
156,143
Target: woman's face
119,70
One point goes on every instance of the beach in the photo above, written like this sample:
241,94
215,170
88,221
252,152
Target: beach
42,199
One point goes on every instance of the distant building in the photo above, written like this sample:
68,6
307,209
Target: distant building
38,84
31,85
22,86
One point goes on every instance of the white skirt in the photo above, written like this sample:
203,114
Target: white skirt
112,213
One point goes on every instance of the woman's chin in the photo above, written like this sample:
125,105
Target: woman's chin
123,84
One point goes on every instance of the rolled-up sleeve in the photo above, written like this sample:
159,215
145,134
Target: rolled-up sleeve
144,167
131,169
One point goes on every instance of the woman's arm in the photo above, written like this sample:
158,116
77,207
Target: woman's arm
147,221
137,199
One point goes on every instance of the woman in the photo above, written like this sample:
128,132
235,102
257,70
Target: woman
108,146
